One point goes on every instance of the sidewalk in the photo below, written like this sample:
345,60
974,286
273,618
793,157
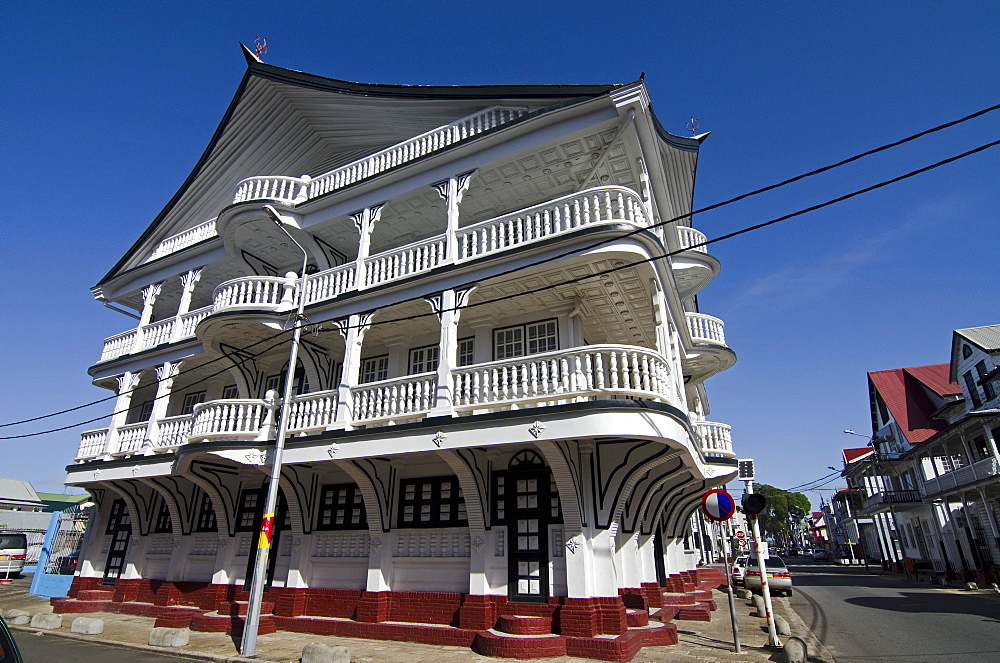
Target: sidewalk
698,641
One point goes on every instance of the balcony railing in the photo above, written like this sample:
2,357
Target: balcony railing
706,329
251,292
157,333
716,439
586,373
885,498
286,189
987,468
689,238
182,240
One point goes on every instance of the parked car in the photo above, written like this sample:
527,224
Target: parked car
13,552
739,568
779,578
8,648
821,555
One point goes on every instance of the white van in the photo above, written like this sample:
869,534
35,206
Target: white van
13,551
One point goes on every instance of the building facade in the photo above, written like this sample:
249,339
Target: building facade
931,479
499,417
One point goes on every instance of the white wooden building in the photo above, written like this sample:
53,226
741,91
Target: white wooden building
500,420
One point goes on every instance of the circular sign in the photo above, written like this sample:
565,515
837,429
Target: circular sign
718,505
740,534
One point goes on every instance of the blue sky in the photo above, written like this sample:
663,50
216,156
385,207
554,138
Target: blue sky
107,107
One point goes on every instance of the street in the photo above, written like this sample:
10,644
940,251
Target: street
863,617
43,648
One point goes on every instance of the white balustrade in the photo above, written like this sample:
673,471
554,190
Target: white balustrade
601,371
705,328
130,437
407,260
227,419
118,345
413,148
191,319
92,443
689,238
276,187
394,399
249,292
182,240
597,205
987,468
311,412
330,283
157,333
173,431
716,439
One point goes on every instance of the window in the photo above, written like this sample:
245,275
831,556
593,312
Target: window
424,360
206,516
530,339
248,514
277,383
119,518
163,524
980,448
970,384
192,399
341,506
966,352
466,351
273,382
987,386
431,502
145,411
230,392
374,369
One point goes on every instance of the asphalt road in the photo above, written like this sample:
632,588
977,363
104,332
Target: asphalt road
868,618
54,649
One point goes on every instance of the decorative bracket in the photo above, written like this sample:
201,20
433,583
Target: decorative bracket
536,429
439,438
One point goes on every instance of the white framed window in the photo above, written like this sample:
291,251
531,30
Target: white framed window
466,351
424,360
230,392
192,399
374,369
532,338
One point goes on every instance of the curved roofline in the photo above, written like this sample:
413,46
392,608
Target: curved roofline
255,67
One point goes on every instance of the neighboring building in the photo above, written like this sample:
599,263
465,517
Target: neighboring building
500,404
61,502
18,495
932,479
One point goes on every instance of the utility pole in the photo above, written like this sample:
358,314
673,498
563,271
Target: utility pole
751,507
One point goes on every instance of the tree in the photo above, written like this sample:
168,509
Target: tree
784,514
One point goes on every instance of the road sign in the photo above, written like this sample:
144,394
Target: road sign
718,505
740,534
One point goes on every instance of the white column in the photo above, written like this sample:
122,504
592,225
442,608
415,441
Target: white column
452,190
365,221
165,380
149,295
188,281
447,305
353,330
126,383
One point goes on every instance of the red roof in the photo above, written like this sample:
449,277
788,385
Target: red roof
851,455
903,390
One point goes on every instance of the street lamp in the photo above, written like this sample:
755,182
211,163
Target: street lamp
248,645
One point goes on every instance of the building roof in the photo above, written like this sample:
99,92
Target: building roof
907,394
851,455
986,338
18,491
327,123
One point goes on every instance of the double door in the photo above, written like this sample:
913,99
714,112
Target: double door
527,510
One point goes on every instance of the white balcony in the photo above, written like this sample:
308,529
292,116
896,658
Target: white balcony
987,468
716,439
706,329
256,293
689,238
552,378
157,333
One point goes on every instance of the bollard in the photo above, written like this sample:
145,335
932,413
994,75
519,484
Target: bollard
46,620
758,604
315,652
87,626
781,625
163,636
795,651
18,617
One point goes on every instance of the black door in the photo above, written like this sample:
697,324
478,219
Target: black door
527,502
120,529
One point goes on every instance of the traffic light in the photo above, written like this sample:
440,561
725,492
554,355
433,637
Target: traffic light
745,469
753,503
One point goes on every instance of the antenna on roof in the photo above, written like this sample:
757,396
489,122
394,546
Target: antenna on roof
692,125
260,46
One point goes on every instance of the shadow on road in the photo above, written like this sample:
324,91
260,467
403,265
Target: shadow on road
929,602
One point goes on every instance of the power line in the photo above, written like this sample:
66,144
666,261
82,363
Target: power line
597,274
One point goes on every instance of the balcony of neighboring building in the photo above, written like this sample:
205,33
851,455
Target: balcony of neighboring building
693,265
887,500
953,465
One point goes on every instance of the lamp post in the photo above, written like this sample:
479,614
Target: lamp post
248,644
888,500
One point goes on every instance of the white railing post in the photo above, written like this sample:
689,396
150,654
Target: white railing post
353,331
267,427
188,281
364,221
126,383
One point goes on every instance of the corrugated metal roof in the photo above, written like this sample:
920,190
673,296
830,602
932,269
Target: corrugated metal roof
851,455
18,491
988,337
909,404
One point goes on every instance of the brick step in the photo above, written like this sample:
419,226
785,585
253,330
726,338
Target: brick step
240,608
213,622
666,613
72,606
524,625
179,617
95,595
669,598
696,613
634,618
491,643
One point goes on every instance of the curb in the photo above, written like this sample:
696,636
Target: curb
204,656
816,647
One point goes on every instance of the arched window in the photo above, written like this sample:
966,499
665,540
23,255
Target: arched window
966,351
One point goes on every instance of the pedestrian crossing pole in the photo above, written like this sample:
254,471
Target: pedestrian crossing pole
751,507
